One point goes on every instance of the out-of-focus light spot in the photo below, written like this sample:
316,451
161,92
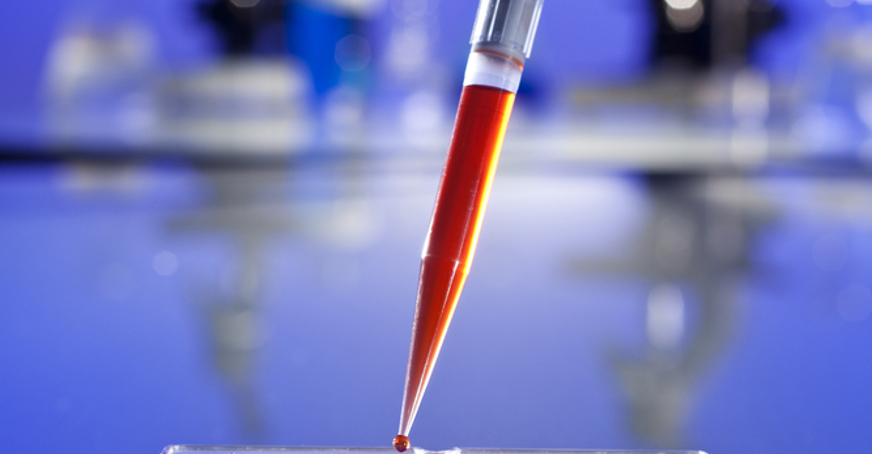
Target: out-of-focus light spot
353,225
665,320
686,18
410,9
422,111
830,252
165,263
681,4
840,3
352,53
408,50
363,9
855,303
244,3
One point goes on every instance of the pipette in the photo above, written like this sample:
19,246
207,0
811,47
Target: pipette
501,42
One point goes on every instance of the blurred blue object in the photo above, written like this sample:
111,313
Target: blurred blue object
313,33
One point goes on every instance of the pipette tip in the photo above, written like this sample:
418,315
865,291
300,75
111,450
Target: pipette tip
401,443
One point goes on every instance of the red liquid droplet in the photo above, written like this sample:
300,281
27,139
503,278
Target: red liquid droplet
460,204
401,443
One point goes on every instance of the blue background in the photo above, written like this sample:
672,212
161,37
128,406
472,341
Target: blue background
285,315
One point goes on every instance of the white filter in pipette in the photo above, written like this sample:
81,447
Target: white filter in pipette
492,70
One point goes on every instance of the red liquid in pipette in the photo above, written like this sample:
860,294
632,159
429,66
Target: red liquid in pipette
460,204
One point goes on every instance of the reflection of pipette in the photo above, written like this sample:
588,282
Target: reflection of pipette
501,42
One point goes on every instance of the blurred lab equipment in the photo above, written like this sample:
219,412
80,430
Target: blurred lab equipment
694,252
246,27
832,113
255,99
106,86
710,33
245,211
230,303
331,38
237,106
98,82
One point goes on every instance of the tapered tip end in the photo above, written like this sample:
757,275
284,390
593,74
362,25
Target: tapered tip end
401,443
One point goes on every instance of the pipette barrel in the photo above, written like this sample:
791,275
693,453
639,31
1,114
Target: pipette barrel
501,42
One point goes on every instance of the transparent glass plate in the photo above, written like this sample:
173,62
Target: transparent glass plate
186,449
